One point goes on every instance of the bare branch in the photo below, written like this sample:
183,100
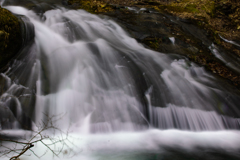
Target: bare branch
38,136
23,151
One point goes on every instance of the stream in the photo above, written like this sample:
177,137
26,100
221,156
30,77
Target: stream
115,99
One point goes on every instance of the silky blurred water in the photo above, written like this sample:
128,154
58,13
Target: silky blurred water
117,99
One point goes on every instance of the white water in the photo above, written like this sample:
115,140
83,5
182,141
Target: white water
140,145
95,77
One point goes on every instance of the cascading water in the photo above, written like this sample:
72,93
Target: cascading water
121,100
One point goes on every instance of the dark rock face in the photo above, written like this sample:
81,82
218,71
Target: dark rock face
10,36
169,34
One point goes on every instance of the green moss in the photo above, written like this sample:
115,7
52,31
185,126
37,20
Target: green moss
189,8
201,7
170,8
192,8
209,8
153,43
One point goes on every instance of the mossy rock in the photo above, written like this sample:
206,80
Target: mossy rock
92,6
10,36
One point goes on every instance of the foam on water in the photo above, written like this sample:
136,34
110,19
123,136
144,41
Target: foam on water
134,145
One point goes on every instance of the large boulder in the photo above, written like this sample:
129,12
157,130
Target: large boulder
10,36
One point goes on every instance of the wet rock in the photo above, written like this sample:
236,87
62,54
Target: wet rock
5,84
27,104
193,49
157,30
7,119
12,115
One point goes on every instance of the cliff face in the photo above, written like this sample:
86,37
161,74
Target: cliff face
10,36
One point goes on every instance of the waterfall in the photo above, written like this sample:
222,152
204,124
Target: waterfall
123,100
